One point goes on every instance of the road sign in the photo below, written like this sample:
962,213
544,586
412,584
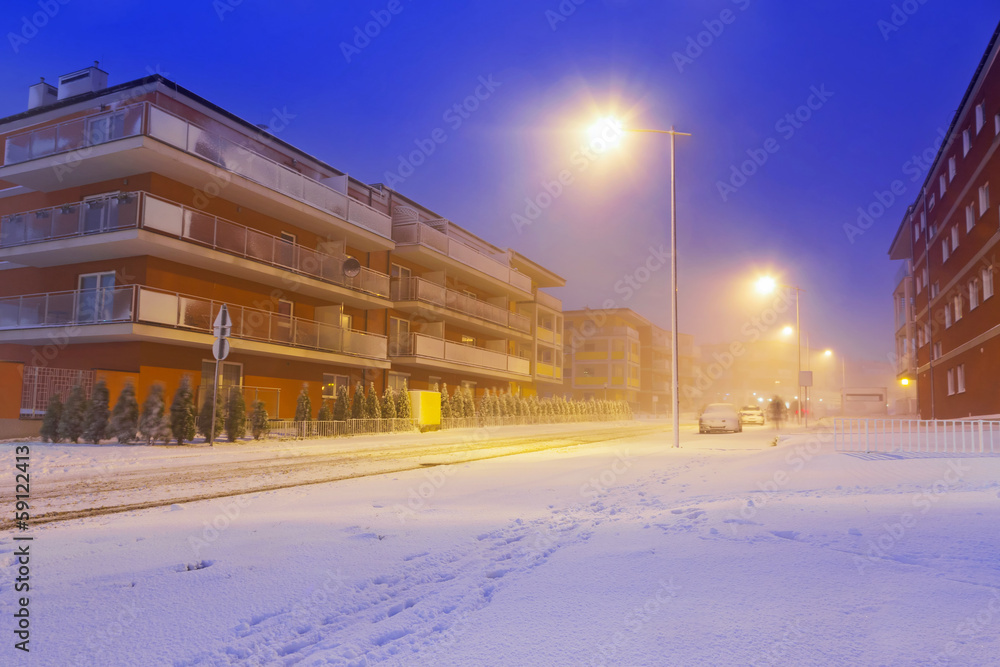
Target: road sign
223,323
805,378
220,349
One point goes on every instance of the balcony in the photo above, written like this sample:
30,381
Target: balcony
421,291
136,312
547,300
116,144
548,372
89,230
436,250
423,350
546,335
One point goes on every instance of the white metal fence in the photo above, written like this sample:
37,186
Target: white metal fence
480,421
955,436
288,428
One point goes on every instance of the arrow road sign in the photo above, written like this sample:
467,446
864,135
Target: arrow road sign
220,349
223,323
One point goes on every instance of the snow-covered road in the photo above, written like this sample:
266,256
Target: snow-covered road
727,551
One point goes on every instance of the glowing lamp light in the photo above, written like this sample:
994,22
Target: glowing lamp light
905,382
606,133
766,284
787,331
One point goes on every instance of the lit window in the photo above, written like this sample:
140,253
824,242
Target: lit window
984,199
980,117
957,307
966,143
970,217
951,168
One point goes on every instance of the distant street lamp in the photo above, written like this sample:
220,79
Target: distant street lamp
767,285
610,131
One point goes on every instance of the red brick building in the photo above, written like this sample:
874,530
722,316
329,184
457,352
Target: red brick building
947,312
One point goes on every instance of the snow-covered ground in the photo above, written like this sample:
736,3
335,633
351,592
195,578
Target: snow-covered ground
726,551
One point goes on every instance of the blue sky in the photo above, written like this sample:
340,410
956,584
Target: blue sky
551,66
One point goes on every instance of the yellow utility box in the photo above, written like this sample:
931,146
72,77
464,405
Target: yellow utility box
425,408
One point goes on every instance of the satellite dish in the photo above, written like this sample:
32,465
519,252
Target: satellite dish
352,267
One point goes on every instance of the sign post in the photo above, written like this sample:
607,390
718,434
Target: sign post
220,350
805,381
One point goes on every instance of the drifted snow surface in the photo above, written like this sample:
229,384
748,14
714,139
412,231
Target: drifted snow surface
726,551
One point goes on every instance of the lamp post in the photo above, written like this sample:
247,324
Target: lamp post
616,127
766,285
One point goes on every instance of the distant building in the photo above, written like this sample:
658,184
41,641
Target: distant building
619,355
947,317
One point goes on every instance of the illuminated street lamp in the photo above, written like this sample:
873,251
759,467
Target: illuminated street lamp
767,285
610,130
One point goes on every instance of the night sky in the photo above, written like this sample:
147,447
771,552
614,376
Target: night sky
881,87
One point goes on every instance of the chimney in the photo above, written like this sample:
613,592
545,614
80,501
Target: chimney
87,80
41,94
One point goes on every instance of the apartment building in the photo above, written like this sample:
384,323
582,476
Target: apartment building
948,243
129,214
619,355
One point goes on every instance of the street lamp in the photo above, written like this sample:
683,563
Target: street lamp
610,130
767,285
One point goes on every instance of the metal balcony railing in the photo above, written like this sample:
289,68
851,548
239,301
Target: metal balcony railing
417,233
147,305
142,210
421,345
240,158
419,289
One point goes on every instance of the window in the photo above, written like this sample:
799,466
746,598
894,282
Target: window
996,124
957,306
397,271
927,332
944,249
285,311
920,337
96,300
951,381
919,282
984,199
468,340
974,294
398,380
980,117
954,238
947,316
960,378
230,376
987,282
925,274
932,232
934,290
936,350
332,383
916,232
970,217
930,205
400,342
288,237
942,185
966,144
923,221
346,321
952,170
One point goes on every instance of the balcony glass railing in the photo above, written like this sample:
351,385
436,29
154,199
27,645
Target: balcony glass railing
419,289
239,158
143,210
146,305
417,233
420,345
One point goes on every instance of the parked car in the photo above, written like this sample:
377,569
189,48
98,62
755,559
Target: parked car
720,417
751,414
